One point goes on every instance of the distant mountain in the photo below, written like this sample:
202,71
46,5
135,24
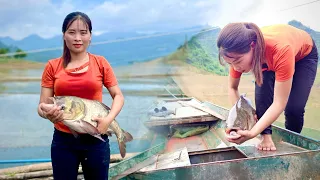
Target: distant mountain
11,48
116,52
2,45
7,40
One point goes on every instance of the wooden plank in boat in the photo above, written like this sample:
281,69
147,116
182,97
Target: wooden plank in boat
174,159
191,103
182,114
177,99
174,121
202,107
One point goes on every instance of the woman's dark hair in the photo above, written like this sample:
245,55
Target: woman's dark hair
237,38
66,23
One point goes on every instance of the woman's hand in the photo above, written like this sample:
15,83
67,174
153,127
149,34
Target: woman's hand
117,104
103,124
240,136
51,112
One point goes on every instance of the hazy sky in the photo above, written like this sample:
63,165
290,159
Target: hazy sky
20,18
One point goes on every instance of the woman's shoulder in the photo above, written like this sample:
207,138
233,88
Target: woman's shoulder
101,60
97,56
55,61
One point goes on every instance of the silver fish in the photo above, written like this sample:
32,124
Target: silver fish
241,115
78,114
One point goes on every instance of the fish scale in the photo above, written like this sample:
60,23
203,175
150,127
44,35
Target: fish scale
78,114
241,115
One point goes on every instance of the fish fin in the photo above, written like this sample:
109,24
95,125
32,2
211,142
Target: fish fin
122,144
127,136
109,132
99,137
90,129
75,134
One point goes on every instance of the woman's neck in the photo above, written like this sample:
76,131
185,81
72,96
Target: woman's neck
78,57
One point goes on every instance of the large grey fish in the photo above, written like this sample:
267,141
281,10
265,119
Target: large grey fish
241,115
78,114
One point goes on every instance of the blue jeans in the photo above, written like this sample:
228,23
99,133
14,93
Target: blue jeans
67,152
303,79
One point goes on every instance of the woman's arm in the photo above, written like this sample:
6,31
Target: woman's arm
55,114
233,89
118,101
281,96
44,94
117,104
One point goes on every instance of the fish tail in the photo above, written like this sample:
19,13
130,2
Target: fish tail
122,148
127,136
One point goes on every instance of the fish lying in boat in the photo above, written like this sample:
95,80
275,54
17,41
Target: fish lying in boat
241,116
78,114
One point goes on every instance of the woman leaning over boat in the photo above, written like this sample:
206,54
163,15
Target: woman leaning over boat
82,74
283,60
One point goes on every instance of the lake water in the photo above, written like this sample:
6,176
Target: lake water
25,135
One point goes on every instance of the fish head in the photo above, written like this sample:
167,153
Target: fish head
241,115
73,108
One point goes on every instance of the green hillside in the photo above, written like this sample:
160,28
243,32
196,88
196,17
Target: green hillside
201,51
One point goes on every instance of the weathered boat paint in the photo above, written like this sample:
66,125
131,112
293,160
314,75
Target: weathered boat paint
158,143
297,157
303,165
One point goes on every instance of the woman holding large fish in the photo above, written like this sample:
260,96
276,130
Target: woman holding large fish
69,80
283,60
